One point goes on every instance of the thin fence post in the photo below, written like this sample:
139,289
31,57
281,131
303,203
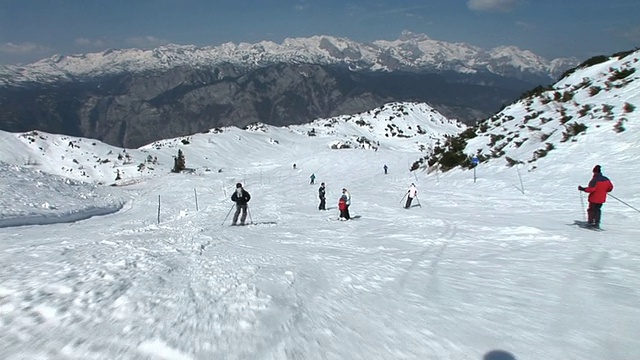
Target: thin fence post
519,176
584,213
475,161
158,209
196,195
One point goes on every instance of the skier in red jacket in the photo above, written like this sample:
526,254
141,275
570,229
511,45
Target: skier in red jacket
598,188
343,205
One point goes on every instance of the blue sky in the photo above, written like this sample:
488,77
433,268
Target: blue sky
34,29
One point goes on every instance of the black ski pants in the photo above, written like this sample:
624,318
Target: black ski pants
408,204
594,213
345,213
239,208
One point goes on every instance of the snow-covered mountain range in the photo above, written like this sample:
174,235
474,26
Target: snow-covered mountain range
599,100
411,52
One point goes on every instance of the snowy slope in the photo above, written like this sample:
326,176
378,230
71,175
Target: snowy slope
580,113
57,199
418,126
494,263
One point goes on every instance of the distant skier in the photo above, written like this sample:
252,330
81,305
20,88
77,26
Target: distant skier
411,194
343,205
598,188
386,168
322,194
313,179
294,166
241,197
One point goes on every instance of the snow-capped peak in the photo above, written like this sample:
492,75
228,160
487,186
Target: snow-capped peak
415,52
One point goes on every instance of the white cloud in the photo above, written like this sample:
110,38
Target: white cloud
378,13
22,48
89,42
146,41
525,25
416,16
301,6
491,5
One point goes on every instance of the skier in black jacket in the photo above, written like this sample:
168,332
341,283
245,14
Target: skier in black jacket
321,193
241,197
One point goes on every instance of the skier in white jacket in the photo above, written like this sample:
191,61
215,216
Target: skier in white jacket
411,194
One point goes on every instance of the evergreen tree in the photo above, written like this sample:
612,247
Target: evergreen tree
178,163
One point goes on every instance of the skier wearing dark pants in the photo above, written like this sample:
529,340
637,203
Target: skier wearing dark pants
321,194
598,188
344,208
241,197
411,193
343,205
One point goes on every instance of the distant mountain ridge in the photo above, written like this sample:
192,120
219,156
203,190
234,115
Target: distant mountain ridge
133,109
132,97
411,52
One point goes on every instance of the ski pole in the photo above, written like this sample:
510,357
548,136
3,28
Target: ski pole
229,213
403,198
624,203
582,203
249,213
418,200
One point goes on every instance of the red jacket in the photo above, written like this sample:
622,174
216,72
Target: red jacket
598,188
342,204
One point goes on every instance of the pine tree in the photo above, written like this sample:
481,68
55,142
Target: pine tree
178,162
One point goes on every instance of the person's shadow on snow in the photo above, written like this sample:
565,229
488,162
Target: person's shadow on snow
498,355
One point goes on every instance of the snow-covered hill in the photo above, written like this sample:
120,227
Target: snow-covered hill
593,105
411,52
409,127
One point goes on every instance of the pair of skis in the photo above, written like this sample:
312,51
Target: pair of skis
586,225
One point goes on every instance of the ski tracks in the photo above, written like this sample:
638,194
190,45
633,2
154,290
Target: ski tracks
260,313
436,248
